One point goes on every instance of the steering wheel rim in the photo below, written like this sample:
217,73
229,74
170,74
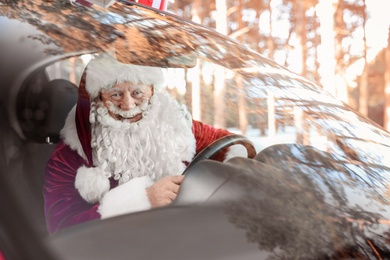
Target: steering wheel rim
221,143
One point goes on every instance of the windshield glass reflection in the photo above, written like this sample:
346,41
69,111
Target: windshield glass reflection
340,159
298,198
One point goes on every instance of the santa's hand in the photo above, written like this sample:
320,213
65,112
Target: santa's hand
164,191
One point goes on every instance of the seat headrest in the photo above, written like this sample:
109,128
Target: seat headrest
42,111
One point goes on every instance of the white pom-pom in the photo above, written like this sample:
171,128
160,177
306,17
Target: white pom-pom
91,183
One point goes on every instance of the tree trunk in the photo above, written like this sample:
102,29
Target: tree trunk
196,102
387,85
316,42
301,34
221,18
363,92
326,53
363,88
271,115
219,100
270,41
219,84
340,27
242,112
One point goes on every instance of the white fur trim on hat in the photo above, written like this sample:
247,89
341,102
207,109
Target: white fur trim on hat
91,183
105,71
126,198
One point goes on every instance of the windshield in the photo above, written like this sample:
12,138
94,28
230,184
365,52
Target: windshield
222,83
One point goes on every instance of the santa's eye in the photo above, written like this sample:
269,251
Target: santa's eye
137,93
115,95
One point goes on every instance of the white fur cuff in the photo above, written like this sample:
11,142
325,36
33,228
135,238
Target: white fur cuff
91,183
126,198
236,150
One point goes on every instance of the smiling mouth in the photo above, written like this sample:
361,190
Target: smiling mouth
131,119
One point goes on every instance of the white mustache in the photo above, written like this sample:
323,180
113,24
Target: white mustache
129,113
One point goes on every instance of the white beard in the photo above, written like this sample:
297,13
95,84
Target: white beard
155,146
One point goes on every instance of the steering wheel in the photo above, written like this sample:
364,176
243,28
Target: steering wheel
223,142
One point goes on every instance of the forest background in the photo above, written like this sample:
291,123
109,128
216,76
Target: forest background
341,45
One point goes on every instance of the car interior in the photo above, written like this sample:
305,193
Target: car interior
42,106
43,102
48,94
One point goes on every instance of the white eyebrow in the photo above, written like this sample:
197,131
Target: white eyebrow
114,89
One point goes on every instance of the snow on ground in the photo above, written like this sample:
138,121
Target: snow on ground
283,136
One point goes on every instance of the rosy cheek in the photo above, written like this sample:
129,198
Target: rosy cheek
111,102
107,105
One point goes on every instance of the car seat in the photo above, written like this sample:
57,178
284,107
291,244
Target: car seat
41,111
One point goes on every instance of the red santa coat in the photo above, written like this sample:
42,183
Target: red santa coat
64,206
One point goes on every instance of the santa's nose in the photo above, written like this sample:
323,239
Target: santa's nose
128,102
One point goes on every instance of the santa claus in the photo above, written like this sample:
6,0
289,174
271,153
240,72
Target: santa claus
123,148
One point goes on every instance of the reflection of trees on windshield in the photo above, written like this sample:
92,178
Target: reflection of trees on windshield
315,118
143,34
70,28
302,203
